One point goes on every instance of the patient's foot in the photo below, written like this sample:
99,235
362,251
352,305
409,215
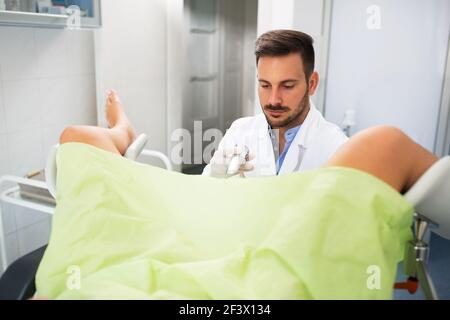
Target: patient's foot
116,117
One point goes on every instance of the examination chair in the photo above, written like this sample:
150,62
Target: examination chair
426,197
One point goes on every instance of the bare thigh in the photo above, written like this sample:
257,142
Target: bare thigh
386,153
95,136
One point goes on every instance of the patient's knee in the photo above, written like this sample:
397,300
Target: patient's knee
384,143
387,136
71,134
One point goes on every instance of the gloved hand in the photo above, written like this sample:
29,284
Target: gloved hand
229,162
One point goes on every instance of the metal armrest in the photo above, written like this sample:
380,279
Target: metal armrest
17,283
161,156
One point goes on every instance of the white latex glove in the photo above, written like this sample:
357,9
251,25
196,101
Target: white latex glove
231,162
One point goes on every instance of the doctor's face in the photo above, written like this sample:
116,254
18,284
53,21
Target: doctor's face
283,90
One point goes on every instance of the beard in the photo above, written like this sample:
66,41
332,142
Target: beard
293,118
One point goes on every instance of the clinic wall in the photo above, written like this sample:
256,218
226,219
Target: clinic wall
313,18
47,82
131,57
392,75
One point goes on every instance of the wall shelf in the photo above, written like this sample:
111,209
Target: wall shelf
16,18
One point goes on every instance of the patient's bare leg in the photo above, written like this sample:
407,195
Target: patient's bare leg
386,153
116,138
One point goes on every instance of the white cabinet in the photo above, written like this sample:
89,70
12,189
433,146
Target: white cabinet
73,14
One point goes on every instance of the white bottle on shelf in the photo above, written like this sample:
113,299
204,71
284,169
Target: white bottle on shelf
349,121
2,5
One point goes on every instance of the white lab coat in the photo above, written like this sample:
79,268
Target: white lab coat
313,145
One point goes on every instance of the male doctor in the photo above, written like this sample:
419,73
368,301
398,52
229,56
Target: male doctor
290,135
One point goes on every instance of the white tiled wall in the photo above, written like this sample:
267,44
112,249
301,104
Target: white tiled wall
47,82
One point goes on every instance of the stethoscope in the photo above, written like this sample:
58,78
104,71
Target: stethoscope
301,155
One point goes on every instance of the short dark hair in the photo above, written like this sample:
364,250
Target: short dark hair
283,42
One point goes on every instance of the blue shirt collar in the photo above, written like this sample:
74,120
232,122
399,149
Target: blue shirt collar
289,135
